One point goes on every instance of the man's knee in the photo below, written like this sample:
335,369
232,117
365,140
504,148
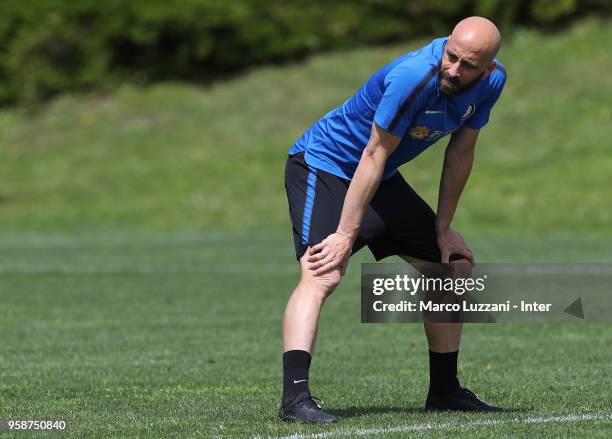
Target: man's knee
323,284
461,268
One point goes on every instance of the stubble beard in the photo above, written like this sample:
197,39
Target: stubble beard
450,87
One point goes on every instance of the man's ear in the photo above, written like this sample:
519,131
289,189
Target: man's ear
490,67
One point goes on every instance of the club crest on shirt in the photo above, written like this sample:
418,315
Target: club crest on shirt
470,110
419,133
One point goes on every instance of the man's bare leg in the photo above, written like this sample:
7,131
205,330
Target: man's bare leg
442,337
300,324
444,340
301,317
445,392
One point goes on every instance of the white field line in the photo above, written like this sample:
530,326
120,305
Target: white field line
446,426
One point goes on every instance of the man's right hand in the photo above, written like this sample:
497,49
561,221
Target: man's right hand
330,254
335,250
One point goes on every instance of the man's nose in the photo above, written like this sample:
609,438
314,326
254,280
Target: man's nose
453,70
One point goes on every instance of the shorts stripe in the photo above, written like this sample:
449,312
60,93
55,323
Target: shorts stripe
311,185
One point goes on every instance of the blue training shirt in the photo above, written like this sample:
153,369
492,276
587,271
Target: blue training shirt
402,97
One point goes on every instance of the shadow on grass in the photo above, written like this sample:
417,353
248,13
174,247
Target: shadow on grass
354,412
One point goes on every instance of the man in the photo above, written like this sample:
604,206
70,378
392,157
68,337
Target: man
344,192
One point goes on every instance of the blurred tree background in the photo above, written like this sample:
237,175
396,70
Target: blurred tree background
51,46
178,114
145,242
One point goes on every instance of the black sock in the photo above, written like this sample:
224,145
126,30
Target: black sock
295,375
443,373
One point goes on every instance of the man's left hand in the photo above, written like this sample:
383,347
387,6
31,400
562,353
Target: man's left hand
450,243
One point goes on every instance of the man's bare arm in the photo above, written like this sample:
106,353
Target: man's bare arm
458,161
334,251
366,180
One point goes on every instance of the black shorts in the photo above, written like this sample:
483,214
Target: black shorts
397,221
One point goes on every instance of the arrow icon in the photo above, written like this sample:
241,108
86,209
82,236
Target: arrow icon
575,309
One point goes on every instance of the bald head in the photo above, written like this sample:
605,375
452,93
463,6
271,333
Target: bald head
468,55
479,35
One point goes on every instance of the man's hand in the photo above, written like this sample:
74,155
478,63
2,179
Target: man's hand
335,250
331,253
450,243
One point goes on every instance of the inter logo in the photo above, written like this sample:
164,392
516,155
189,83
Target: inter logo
419,133
424,133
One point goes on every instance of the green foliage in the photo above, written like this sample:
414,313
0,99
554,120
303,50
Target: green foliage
49,46
178,156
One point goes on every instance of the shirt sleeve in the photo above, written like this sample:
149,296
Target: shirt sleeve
405,93
481,117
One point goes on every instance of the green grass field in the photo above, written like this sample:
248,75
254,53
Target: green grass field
179,334
146,255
